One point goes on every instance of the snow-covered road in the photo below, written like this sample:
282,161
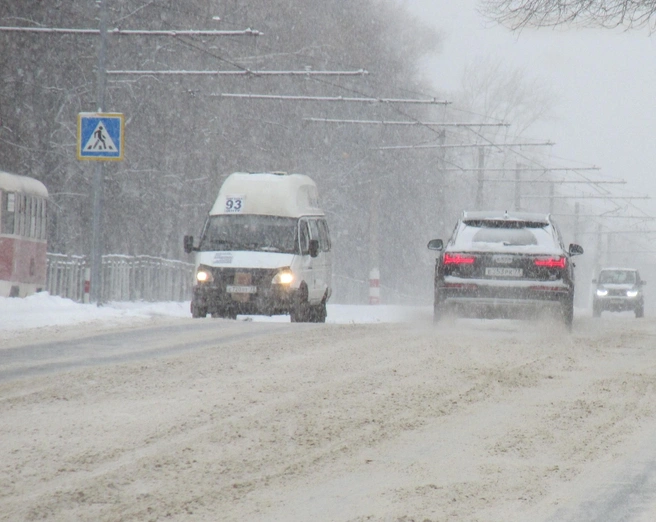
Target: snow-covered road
156,417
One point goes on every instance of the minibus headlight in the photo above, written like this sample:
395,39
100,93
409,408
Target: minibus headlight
284,277
601,292
204,276
632,293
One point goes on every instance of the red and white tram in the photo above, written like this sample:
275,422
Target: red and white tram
23,202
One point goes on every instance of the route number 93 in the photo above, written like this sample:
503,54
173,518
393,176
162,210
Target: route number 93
234,204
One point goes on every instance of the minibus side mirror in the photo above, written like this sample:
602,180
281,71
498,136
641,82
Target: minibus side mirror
314,247
189,244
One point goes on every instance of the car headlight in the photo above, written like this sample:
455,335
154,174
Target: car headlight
284,277
601,292
204,276
631,293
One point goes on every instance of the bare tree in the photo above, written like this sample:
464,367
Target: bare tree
502,93
518,14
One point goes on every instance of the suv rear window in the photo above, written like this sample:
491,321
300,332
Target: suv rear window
529,236
507,236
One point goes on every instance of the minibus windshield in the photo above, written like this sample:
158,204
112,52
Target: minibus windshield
250,232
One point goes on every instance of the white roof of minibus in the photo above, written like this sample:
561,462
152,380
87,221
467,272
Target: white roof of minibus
15,183
269,194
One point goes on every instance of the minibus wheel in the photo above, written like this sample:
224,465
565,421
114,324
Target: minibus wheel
198,311
301,311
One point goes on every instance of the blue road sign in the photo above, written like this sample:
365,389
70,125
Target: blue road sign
100,136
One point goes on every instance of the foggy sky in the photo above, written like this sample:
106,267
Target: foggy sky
604,83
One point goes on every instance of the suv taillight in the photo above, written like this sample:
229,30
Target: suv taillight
551,262
458,259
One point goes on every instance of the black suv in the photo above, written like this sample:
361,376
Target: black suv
503,264
618,290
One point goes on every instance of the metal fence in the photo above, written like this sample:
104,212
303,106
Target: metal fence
148,278
124,278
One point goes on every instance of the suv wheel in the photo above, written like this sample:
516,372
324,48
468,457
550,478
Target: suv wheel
596,310
318,313
568,312
439,309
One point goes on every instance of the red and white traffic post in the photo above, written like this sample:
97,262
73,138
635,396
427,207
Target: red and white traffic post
374,287
87,285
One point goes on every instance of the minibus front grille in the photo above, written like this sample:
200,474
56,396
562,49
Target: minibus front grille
260,277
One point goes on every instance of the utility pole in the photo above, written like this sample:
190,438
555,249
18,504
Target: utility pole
96,251
481,178
518,190
577,212
95,293
599,255
374,249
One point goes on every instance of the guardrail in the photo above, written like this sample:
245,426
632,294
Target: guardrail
124,278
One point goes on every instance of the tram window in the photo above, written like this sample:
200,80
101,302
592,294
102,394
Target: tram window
8,212
20,215
39,205
36,212
29,216
25,231
44,221
34,217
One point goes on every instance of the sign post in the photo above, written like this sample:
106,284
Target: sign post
99,138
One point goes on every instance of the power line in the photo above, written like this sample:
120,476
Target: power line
415,123
609,232
557,182
328,99
132,32
583,197
646,218
244,72
528,169
402,147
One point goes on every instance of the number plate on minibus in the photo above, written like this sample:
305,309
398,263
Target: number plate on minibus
241,289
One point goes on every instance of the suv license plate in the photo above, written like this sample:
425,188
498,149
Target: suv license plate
503,272
241,289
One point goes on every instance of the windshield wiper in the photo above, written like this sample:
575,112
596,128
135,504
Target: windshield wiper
218,242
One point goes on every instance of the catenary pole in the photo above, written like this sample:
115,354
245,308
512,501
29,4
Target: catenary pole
481,178
95,293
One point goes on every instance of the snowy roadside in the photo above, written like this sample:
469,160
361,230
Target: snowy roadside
42,310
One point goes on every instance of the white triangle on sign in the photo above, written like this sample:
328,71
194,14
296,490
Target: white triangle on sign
100,140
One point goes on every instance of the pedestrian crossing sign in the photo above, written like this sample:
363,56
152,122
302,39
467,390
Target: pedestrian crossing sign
100,136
